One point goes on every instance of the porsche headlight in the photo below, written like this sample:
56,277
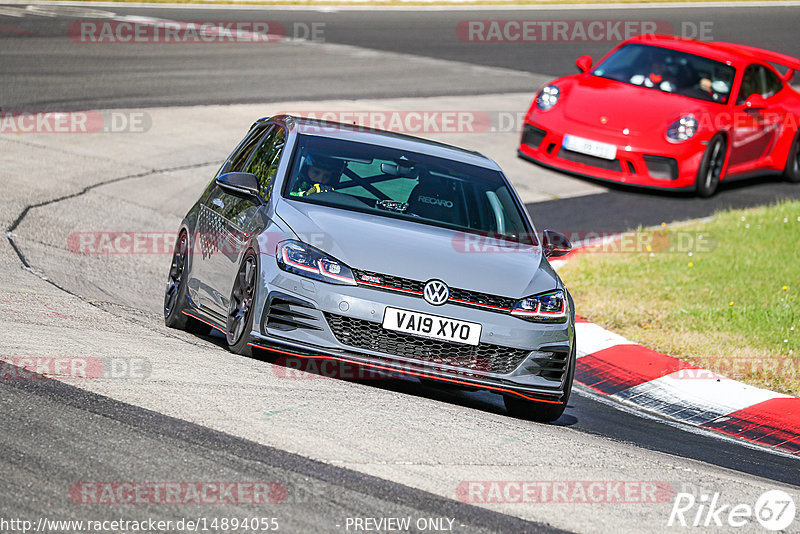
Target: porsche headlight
547,97
550,307
304,260
682,129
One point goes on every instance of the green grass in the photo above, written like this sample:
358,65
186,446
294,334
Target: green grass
732,305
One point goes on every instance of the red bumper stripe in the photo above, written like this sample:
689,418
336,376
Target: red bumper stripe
411,373
212,325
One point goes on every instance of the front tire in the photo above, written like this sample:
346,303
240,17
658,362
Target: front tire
542,412
710,171
791,172
240,308
175,295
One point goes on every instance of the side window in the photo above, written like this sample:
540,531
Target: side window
235,161
245,149
772,84
264,163
751,83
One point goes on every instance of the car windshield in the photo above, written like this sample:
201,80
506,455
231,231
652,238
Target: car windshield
670,71
405,185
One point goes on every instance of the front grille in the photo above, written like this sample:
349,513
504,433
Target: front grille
465,297
482,298
392,282
372,336
600,163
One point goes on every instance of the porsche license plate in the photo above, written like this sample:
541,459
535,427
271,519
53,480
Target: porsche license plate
589,147
431,326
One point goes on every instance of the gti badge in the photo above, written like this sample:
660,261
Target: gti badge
436,292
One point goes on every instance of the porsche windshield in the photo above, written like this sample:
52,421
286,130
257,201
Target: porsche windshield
670,71
416,187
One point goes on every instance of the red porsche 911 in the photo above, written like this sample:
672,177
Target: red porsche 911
670,113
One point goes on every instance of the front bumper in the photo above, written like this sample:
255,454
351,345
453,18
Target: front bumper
640,161
301,318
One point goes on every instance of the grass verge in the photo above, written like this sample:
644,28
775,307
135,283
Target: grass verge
723,294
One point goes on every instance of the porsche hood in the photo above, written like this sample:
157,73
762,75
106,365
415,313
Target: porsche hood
639,109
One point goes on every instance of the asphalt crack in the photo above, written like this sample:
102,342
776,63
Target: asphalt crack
100,305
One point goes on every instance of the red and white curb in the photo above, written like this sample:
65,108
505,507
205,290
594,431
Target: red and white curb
617,368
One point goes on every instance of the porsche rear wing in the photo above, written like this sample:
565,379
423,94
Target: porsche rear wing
791,63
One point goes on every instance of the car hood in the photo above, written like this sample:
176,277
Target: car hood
603,103
420,252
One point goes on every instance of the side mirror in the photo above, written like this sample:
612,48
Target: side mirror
239,184
555,244
755,102
584,63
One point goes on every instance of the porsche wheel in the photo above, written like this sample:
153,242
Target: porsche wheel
542,412
710,171
791,172
240,309
175,299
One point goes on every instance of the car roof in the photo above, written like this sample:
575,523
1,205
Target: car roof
717,50
362,134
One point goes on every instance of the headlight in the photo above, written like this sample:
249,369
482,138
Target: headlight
682,129
543,308
547,97
304,260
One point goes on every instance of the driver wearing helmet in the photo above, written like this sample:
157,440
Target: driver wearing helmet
318,174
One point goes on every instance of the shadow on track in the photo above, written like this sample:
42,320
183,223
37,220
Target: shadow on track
625,208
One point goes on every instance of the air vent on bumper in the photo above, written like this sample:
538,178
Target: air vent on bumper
661,167
284,312
532,136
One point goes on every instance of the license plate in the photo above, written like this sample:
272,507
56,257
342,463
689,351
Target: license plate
587,146
432,326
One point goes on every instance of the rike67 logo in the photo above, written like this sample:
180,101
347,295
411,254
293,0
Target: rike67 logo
774,510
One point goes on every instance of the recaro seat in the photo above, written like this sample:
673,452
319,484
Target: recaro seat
437,199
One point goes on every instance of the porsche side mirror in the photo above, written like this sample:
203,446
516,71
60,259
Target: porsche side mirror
239,184
755,101
555,244
584,63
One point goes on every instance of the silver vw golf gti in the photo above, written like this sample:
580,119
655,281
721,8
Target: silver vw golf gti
319,240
